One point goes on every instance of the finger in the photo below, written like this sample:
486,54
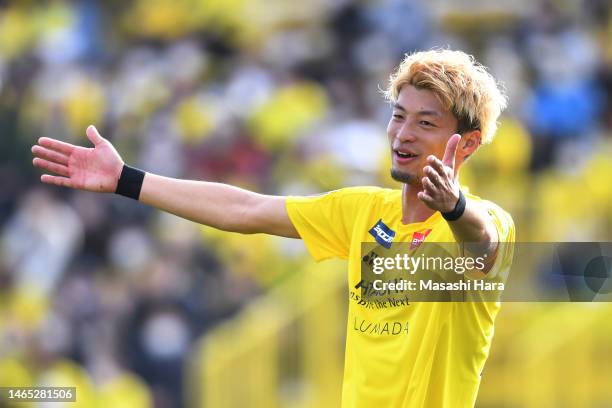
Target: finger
57,145
56,180
436,164
433,176
93,135
429,187
451,150
424,197
52,167
50,155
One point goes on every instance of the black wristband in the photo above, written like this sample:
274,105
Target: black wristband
130,182
457,212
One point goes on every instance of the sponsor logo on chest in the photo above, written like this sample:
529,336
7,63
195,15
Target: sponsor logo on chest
418,237
382,234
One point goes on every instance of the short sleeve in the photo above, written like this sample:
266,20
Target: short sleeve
506,237
325,222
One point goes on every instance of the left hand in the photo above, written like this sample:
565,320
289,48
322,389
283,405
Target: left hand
440,186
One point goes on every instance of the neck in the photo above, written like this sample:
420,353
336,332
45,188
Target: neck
413,209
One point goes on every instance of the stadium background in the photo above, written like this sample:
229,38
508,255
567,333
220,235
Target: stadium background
137,308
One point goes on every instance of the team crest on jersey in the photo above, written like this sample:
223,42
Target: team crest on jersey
382,234
418,238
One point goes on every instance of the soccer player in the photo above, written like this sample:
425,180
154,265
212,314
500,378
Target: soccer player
420,354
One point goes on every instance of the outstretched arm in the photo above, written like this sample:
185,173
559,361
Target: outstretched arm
217,205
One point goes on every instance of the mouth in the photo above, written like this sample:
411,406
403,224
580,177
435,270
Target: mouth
404,156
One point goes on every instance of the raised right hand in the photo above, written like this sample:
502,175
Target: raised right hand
92,169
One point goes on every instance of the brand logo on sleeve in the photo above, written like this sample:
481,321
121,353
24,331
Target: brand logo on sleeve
418,238
382,234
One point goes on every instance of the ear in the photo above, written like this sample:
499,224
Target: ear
470,142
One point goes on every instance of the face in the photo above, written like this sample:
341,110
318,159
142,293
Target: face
419,126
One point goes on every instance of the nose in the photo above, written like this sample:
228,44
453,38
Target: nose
405,133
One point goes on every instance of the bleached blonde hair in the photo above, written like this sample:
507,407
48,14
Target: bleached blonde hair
461,84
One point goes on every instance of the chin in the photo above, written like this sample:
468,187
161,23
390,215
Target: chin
404,176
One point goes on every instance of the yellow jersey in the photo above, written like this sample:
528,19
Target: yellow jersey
407,354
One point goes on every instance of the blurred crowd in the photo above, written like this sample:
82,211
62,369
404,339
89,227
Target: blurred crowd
282,97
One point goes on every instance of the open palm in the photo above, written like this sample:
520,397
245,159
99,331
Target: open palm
92,169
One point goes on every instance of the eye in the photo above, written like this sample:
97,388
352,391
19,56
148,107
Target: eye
397,116
425,123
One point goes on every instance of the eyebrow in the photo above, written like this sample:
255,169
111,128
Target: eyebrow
421,113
